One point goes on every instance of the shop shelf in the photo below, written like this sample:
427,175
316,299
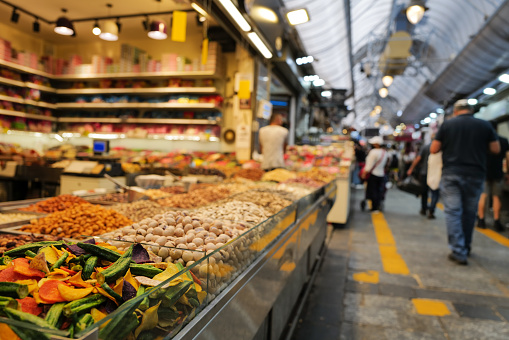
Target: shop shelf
24,69
39,87
27,115
197,106
148,90
8,81
12,99
136,120
136,75
27,101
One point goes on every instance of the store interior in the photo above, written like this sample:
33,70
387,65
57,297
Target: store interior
134,199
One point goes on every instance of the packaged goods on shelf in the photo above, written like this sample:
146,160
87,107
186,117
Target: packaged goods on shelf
78,221
53,204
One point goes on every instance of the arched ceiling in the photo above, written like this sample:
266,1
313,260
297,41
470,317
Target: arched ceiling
446,29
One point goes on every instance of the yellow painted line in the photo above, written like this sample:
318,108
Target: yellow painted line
440,206
494,236
430,307
371,276
392,261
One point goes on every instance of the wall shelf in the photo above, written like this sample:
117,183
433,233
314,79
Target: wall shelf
24,69
8,81
137,75
40,87
26,115
137,120
27,102
148,90
96,106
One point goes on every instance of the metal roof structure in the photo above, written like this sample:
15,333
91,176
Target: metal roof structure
348,38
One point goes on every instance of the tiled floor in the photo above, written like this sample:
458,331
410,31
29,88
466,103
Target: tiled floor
355,296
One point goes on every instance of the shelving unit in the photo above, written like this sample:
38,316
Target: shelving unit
28,102
40,87
147,90
137,75
93,106
137,120
26,115
12,82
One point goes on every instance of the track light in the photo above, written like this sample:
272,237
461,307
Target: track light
36,27
387,80
415,11
157,30
145,23
15,15
298,16
119,25
96,30
109,31
383,92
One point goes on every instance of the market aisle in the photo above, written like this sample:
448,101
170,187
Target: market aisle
387,276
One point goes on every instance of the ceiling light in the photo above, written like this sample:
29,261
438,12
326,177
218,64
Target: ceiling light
236,15
440,110
504,78
255,39
157,30
326,94
298,16
96,30
145,23
36,27
265,14
415,11
15,15
304,60
378,109
109,31
399,113
416,126
489,91
198,9
472,101
387,80
433,115
427,120
311,78
319,82
383,92
377,124
64,26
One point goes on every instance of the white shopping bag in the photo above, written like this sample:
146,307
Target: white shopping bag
434,170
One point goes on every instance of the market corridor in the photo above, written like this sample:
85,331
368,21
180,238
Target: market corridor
387,276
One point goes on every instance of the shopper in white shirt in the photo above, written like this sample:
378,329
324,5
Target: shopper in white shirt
375,166
273,141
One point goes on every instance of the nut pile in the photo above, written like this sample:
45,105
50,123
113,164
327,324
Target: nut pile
281,193
185,238
235,211
236,188
8,242
57,203
13,217
139,210
271,202
196,198
155,194
174,190
120,197
84,219
306,181
278,175
319,175
296,189
252,174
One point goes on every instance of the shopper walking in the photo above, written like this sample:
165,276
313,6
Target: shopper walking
360,161
374,173
273,142
421,163
493,184
464,141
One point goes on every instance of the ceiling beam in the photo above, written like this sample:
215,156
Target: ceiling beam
348,21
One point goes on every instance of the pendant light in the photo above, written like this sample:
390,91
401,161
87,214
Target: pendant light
383,92
415,11
157,30
109,31
64,25
387,80
96,30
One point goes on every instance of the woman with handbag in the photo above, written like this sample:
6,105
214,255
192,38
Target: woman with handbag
374,174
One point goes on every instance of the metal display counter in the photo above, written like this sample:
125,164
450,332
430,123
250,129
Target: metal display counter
258,304
340,211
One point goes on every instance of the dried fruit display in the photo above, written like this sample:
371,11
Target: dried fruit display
8,241
271,202
84,219
139,210
252,174
196,198
278,175
58,203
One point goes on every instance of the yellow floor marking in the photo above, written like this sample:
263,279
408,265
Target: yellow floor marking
392,261
440,206
371,276
494,236
430,307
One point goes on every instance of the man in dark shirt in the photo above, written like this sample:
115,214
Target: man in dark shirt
421,162
465,142
493,184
